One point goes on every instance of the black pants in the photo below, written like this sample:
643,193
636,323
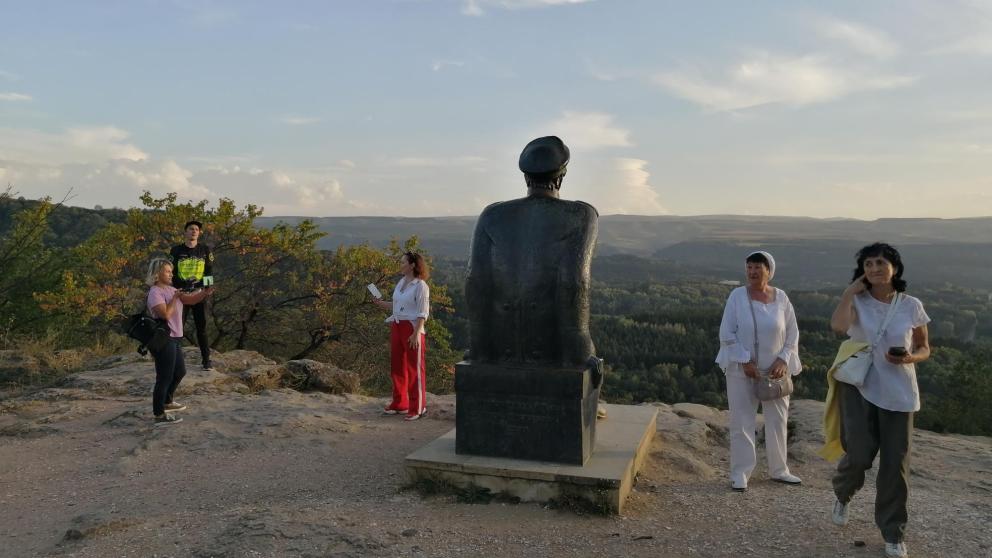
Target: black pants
868,430
200,319
170,368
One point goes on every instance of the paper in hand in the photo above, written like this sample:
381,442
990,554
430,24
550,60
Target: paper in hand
374,290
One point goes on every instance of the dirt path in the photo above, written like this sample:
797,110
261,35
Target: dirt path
281,473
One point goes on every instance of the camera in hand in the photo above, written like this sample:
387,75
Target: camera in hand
898,351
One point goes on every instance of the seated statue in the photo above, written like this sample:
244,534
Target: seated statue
529,274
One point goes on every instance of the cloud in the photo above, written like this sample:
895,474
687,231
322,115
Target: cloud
14,97
75,145
439,65
477,7
114,183
867,41
296,120
589,130
629,191
768,79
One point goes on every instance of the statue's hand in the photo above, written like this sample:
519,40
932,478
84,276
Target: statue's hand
595,365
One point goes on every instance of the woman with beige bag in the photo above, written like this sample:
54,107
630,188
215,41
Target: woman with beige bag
759,341
876,408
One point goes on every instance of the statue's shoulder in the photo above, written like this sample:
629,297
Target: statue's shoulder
495,209
586,207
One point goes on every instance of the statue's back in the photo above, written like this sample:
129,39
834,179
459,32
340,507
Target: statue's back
529,280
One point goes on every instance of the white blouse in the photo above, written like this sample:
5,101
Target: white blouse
889,386
778,333
410,302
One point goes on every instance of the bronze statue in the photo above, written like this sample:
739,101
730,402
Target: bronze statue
529,273
530,383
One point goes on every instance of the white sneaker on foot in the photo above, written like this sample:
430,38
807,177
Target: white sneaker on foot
788,478
840,513
896,550
739,485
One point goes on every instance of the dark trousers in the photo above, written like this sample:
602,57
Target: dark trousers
867,430
170,368
200,320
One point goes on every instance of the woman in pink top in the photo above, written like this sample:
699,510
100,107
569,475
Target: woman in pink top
410,307
166,303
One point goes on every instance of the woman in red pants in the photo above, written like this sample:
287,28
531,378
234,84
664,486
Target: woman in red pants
410,307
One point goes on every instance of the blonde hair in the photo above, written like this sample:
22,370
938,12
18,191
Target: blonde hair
154,268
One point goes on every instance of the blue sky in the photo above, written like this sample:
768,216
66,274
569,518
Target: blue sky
420,107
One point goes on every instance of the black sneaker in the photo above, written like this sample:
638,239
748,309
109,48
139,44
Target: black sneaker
208,367
166,420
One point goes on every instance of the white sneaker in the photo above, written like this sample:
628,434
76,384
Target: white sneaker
738,485
788,478
840,514
896,550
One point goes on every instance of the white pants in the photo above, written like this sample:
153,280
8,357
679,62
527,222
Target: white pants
743,424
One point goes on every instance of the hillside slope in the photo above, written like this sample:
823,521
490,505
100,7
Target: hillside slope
283,473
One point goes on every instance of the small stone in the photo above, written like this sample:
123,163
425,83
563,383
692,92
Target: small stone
409,532
859,543
73,535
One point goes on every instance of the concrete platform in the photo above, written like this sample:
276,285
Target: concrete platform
622,442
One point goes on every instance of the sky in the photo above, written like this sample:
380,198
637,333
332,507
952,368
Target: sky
419,108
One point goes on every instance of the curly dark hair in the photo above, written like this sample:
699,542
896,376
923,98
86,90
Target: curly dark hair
890,254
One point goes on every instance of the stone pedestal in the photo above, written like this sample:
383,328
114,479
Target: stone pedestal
602,484
521,412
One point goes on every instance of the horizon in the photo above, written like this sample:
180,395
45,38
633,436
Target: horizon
419,108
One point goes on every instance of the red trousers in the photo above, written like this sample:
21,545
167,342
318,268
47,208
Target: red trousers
408,370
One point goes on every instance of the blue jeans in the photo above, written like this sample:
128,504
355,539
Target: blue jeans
170,368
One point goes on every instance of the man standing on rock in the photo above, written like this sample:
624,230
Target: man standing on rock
192,261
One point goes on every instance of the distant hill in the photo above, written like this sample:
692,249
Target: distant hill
810,252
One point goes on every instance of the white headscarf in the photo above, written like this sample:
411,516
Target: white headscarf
771,262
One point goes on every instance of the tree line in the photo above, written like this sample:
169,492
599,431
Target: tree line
278,294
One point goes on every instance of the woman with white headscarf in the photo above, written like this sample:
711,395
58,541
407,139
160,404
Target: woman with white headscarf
762,313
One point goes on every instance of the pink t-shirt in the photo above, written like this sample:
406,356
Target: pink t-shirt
162,295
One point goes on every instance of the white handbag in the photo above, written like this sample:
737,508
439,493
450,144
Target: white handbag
855,368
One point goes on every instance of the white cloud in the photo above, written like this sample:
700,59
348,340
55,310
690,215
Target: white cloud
439,65
629,191
867,41
588,130
768,79
477,7
296,120
75,145
9,96
285,189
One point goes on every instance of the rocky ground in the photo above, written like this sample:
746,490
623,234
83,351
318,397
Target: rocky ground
259,470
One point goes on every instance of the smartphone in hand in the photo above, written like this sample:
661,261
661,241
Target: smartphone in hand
374,290
898,351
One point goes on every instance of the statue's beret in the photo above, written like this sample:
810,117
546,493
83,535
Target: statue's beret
547,155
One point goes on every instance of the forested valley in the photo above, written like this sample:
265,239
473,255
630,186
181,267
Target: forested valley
71,275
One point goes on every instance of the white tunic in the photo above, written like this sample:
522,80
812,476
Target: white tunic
889,386
778,333
410,302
